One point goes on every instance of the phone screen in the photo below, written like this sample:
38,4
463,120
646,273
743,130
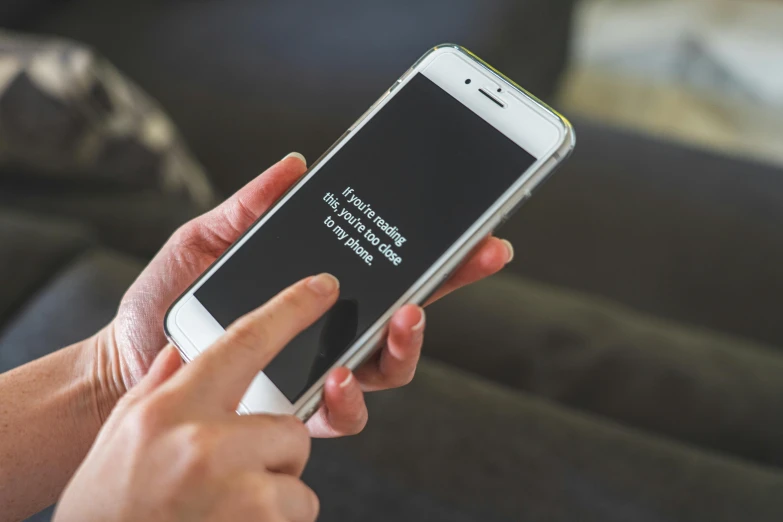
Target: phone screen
377,216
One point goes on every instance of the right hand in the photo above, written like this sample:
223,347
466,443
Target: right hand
174,448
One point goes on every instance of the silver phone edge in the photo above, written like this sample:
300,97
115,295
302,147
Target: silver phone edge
366,346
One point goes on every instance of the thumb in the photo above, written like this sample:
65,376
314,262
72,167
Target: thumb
163,367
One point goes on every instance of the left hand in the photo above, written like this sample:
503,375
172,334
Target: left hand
129,344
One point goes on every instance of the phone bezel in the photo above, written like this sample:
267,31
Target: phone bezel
526,121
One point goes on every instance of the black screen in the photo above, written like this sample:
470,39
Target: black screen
413,180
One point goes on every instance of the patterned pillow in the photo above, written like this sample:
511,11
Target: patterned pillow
67,113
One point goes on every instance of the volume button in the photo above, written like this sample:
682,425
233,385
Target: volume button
311,412
519,204
514,209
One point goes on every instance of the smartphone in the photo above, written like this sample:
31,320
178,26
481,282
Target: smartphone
445,155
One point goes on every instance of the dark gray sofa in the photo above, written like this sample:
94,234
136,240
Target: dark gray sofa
625,367
533,403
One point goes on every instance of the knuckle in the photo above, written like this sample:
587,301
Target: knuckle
360,424
249,333
353,422
295,300
197,444
148,418
268,495
185,233
310,505
239,215
407,379
315,503
296,433
128,401
197,236
263,494
257,495
402,378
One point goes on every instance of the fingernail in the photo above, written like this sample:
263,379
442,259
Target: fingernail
419,327
347,381
510,249
297,156
324,284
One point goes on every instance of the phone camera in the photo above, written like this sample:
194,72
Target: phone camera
467,82
500,90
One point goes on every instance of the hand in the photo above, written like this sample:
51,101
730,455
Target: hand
131,342
174,448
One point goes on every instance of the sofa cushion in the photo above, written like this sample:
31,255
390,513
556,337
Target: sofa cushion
77,302
32,250
707,389
481,448
670,230
248,81
15,13
137,223
67,115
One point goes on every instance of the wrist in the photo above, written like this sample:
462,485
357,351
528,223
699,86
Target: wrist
104,371
53,408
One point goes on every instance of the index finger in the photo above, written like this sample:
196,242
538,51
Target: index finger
222,374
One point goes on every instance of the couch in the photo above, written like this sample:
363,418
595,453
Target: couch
625,367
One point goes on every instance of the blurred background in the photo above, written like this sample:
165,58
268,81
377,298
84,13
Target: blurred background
705,72
626,366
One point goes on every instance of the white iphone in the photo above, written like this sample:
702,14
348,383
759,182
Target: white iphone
391,209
